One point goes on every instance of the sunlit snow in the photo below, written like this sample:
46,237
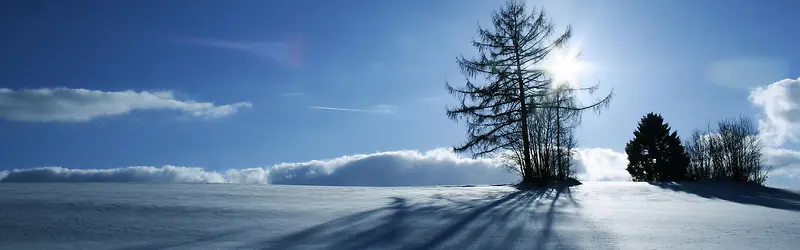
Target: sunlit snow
596,215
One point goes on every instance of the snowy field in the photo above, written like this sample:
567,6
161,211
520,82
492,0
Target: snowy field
601,215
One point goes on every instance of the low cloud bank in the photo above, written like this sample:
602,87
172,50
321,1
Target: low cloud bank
395,168
601,164
399,168
129,174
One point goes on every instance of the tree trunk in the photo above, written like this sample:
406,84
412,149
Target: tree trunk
559,163
526,144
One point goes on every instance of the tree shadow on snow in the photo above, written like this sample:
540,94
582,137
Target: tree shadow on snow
748,194
516,220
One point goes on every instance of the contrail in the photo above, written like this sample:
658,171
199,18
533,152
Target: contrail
343,109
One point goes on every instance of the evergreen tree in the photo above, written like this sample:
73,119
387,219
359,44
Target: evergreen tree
677,159
498,112
655,154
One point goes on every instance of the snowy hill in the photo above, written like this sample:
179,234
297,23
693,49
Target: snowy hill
596,215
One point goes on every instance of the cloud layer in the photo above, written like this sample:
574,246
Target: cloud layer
396,168
80,105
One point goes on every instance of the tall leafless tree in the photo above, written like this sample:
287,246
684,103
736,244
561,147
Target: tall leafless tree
498,112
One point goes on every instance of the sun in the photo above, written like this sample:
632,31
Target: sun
565,67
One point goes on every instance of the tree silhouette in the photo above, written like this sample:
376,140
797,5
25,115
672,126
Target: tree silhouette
498,112
655,154
552,133
732,151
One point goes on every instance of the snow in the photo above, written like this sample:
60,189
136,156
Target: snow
596,215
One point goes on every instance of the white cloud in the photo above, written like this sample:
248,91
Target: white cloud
785,162
380,108
781,156
601,164
779,125
80,105
396,168
788,172
780,121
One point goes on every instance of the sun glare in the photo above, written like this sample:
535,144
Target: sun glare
565,67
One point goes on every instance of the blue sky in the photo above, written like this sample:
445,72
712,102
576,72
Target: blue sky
271,62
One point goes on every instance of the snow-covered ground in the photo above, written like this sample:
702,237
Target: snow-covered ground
601,215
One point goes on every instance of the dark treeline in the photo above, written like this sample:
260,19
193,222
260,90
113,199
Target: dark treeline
730,151
511,104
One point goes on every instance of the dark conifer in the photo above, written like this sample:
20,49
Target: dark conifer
655,154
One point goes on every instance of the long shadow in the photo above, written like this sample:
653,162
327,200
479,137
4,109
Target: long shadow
470,217
498,222
738,192
544,237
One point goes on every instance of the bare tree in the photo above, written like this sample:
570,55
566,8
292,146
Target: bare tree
499,111
552,140
699,162
732,151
